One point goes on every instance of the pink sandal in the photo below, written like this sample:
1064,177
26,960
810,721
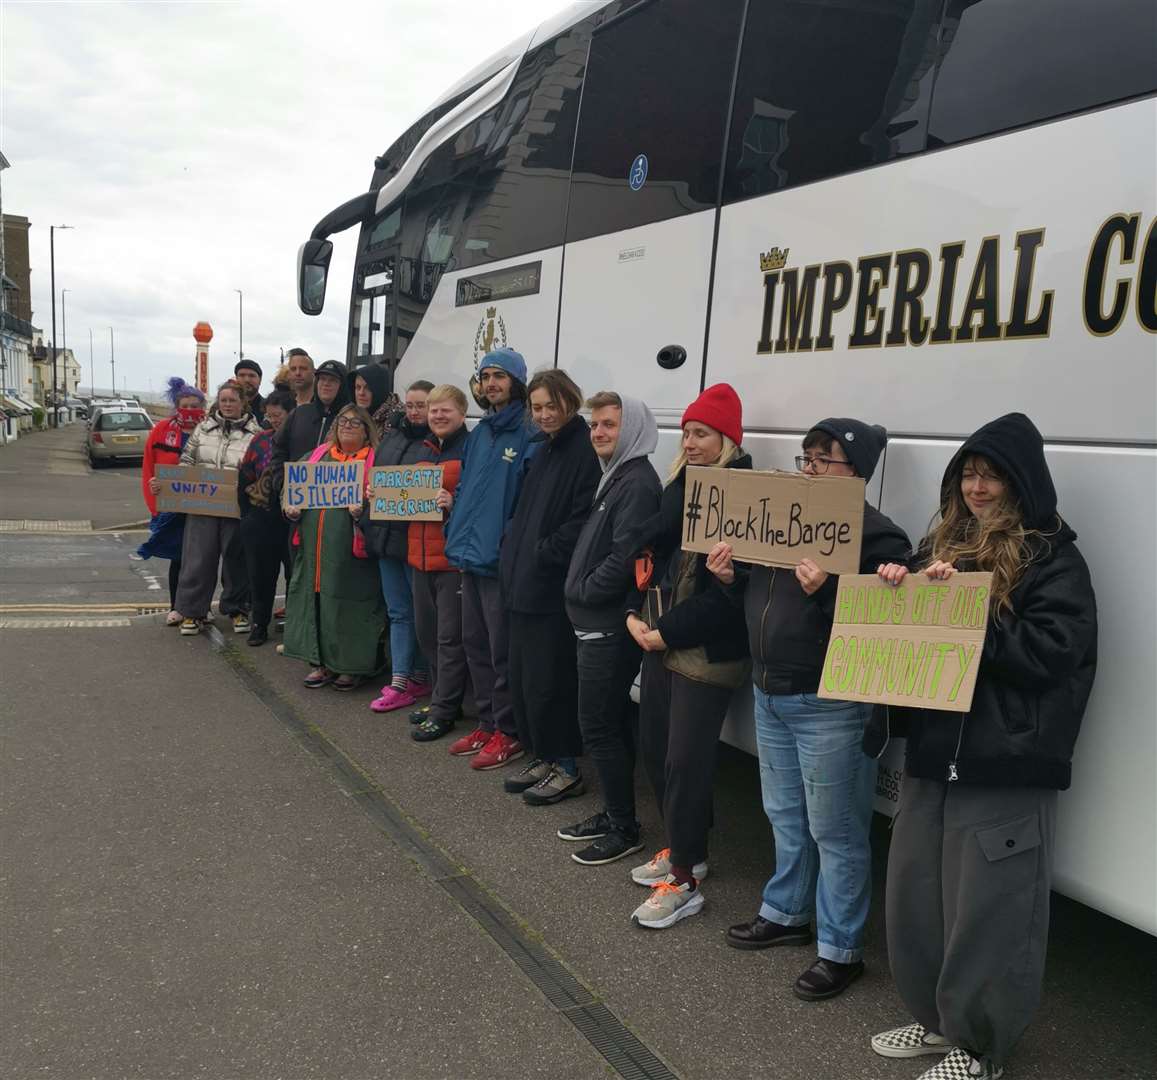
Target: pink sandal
392,698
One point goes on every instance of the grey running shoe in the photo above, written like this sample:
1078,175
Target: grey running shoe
554,788
911,1040
526,777
666,905
659,869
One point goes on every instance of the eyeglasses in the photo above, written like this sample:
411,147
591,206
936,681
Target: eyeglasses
819,465
350,422
414,406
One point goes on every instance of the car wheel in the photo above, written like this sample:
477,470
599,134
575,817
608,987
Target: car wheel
93,463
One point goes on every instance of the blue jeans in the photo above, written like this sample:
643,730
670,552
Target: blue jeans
818,786
398,593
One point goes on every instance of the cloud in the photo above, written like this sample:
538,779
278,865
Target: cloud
194,145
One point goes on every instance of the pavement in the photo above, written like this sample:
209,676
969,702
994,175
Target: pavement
211,871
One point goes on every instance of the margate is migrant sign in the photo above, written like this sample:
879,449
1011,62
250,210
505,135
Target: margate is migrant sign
405,492
916,644
197,489
323,485
775,518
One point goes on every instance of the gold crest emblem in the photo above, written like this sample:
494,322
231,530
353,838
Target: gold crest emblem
773,260
491,334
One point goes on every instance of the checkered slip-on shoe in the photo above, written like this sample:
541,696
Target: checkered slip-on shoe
961,1065
912,1040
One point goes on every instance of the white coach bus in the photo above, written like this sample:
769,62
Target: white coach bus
923,213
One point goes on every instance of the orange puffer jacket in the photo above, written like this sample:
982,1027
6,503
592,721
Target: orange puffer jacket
426,543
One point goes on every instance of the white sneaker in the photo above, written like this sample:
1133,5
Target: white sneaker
659,869
667,904
912,1040
961,1065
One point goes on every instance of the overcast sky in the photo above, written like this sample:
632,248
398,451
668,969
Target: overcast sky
193,145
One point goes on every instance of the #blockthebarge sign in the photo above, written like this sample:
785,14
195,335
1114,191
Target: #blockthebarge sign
405,492
916,644
323,485
776,518
197,489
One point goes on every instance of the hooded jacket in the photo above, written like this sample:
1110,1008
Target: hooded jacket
377,378
709,617
426,540
552,506
401,445
493,465
602,571
307,427
218,442
1039,660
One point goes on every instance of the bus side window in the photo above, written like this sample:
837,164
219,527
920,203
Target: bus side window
827,89
1008,63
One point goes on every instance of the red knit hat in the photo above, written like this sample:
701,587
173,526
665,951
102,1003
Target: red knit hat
718,407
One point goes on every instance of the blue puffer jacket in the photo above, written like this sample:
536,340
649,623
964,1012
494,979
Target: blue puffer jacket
493,464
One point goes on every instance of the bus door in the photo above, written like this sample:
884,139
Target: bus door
373,322
644,188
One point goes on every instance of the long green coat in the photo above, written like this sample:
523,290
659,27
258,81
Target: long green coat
333,618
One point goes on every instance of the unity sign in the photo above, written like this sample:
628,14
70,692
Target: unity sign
322,485
915,644
775,518
197,489
405,493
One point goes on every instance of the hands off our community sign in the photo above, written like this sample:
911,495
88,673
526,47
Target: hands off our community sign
405,492
916,644
775,518
323,485
197,489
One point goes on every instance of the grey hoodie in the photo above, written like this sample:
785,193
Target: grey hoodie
638,437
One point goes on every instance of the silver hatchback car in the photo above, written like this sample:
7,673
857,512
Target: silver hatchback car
118,434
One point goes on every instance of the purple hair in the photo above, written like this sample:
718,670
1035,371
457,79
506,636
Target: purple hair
178,389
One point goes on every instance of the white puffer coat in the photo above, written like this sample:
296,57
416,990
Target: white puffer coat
220,443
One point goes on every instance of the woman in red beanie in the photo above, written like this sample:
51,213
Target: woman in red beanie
695,655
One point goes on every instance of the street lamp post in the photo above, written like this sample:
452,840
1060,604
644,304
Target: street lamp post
240,325
64,337
91,366
112,359
52,275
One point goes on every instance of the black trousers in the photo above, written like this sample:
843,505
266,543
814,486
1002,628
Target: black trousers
606,669
679,725
544,684
486,639
438,625
263,539
174,577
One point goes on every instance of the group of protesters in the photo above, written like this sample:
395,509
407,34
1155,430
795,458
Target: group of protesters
557,576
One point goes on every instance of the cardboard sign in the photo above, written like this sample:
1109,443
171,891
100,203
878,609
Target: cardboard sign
916,644
405,492
197,489
323,485
776,518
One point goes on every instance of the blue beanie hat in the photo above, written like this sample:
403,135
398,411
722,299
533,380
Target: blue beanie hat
508,360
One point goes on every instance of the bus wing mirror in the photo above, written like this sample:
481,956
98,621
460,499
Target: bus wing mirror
312,271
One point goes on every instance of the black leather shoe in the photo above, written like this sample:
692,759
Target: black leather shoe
761,933
258,635
826,978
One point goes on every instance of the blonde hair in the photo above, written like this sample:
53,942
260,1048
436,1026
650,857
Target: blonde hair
448,392
727,454
367,420
998,542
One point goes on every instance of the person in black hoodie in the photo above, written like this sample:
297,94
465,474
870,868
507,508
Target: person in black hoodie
308,426
601,574
554,501
387,542
971,857
817,784
695,657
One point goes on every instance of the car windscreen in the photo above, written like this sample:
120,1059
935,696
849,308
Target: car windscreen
123,421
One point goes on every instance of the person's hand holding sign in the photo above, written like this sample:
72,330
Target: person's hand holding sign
810,576
356,511
720,564
443,500
154,485
940,570
893,573
293,515
647,639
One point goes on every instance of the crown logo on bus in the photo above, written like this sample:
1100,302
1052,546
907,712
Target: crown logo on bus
491,312
773,260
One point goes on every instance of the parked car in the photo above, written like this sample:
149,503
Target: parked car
117,434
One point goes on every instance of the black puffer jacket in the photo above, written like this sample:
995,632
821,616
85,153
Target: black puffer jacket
306,428
555,499
709,618
602,568
1039,660
401,445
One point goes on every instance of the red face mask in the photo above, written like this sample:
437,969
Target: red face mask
190,416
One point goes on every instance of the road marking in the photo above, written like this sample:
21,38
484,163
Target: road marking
62,624
624,1051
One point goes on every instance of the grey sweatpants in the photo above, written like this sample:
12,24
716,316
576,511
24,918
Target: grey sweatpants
211,542
968,908
486,639
438,624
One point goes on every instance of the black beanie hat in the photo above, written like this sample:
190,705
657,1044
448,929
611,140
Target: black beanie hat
247,365
863,443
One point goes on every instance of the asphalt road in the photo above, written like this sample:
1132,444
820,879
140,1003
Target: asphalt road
210,871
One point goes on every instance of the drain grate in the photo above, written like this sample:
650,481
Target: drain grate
40,526
62,624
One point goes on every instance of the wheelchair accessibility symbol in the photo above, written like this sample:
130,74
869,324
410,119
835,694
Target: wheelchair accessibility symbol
637,177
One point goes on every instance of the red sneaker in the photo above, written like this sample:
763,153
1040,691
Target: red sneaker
500,750
470,744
